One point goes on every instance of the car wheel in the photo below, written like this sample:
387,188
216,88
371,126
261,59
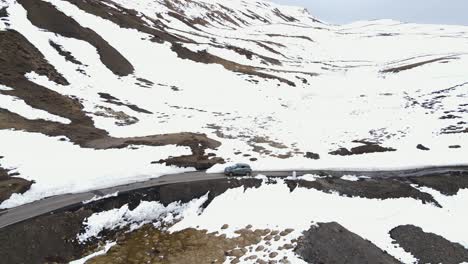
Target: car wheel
231,174
249,173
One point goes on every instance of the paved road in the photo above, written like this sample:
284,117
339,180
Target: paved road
28,211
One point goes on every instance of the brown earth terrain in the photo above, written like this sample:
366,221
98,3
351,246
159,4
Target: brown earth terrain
368,147
45,239
447,184
152,245
128,18
332,243
112,100
20,57
44,15
10,184
3,12
66,54
366,188
418,64
435,249
61,227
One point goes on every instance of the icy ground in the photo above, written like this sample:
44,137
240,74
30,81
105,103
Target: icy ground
342,93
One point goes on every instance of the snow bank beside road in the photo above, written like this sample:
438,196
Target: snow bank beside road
274,206
60,167
144,213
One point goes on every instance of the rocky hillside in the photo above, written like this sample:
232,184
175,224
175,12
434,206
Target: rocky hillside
98,93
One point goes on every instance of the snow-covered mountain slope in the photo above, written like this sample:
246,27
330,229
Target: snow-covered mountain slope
96,93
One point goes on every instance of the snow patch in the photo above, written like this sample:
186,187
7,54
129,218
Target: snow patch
95,254
19,107
98,198
353,178
5,88
60,167
274,206
146,212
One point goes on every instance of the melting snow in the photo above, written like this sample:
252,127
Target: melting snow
144,213
60,167
98,198
19,107
275,207
100,252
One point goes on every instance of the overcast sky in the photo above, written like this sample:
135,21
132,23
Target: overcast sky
419,11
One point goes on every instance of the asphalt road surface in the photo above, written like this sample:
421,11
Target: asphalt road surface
47,205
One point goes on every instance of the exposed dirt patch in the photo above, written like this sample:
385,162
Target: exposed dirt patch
332,243
311,155
455,130
3,12
150,245
144,83
250,55
192,140
422,147
20,57
366,188
45,239
448,184
112,100
364,149
204,57
199,159
450,116
285,17
122,119
256,142
59,229
45,15
199,162
415,65
10,184
128,18
290,36
435,248
66,54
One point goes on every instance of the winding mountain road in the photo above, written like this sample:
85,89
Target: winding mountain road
47,205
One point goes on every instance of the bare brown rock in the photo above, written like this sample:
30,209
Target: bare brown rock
273,254
45,15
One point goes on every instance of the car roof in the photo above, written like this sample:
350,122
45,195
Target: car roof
243,164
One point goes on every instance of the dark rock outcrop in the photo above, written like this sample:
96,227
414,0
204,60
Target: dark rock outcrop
10,184
422,147
447,183
332,243
364,149
311,155
366,188
428,247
